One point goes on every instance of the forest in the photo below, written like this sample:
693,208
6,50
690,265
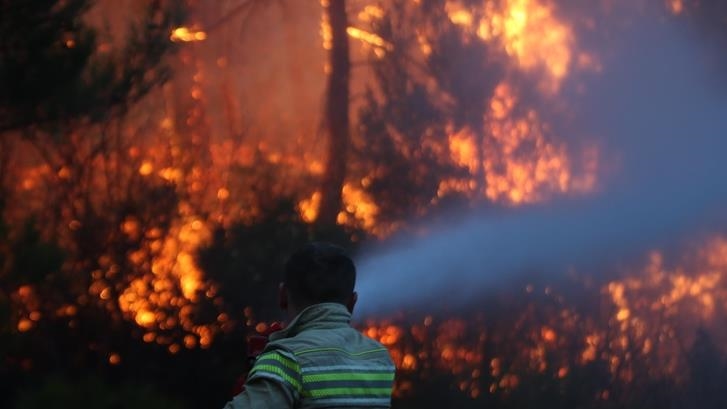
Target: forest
160,159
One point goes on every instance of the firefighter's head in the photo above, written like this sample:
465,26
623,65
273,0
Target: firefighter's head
317,273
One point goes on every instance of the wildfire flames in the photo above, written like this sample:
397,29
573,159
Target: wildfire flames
644,316
529,33
649,317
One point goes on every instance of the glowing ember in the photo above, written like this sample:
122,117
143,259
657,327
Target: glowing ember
369,38
309,207
114,359
325,29
148,298
25,325
146,169
464,150
187,34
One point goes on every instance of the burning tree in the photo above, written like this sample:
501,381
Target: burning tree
455,107
337,115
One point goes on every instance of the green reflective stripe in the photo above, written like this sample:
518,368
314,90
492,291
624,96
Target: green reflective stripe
371,351
278,358
271,369
379,367
349,376
348,391
357,402
279,365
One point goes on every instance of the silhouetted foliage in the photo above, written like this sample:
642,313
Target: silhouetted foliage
708,369
92,393
50,70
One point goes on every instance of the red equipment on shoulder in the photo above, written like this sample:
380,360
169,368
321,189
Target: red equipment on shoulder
255,346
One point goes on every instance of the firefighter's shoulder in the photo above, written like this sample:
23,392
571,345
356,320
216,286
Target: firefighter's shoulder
277,363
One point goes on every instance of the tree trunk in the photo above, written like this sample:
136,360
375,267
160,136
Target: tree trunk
337,118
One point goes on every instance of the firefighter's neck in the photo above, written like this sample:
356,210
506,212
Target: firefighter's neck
292,309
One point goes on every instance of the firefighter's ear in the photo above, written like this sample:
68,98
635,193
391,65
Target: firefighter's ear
283,297
352,302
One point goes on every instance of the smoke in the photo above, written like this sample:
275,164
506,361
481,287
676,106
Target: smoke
658,113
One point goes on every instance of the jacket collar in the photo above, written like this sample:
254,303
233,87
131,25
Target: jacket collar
317,316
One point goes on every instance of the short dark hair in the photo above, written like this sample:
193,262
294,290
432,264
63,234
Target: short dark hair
320,272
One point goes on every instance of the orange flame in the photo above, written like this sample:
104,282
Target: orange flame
528,31
187,34
656,311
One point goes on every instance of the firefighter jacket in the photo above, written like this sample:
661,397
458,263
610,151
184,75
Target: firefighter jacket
319,361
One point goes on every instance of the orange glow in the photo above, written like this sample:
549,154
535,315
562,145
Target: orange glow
190,341
261,327
187,34
458,15
528,31
309,207
464,149
523,162
548,334
369,38
370,13
145,318
146,169
409,362
25,325
223,193
360,209
114,359
172,267
517,178
675,6
325,29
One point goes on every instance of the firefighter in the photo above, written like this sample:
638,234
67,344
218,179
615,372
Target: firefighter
318,360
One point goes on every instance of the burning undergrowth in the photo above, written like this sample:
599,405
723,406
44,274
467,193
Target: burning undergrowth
640,328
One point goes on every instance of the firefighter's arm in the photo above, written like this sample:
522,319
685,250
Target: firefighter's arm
274,382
